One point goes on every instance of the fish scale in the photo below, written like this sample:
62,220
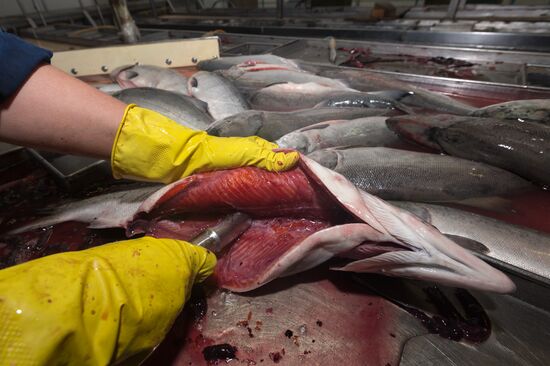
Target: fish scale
413,176
184,110
273,125
368,131
220,94
522,148
533,110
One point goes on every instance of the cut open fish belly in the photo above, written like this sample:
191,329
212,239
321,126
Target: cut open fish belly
300,218
304,217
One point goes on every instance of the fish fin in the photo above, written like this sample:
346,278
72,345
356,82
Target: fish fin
40,223
470,244
494,204
383,262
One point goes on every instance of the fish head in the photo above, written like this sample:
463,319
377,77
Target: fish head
294,140
136,76
123,75
243,124
202,82
325,157
452,138
421,129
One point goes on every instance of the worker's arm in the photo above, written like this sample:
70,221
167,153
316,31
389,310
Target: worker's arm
97,306
55,111
43,107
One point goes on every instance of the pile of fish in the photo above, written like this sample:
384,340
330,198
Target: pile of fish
300,218
367,137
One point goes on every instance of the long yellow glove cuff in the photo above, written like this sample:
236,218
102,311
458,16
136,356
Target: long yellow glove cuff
151,147
96,306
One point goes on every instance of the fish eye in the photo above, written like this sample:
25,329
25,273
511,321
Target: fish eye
194,82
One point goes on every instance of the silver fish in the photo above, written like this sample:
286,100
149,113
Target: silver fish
103,211
108,88
364,80
227,62
293,96
419,128
380,99
368,131
420,177
222,97
522,148
531,110
520,247
273,125
186,111
148,76
255,80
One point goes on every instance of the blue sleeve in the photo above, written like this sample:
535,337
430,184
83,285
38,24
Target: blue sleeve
18,59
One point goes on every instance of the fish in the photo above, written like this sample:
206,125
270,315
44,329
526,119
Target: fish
521,148
308,215
220,94
108,88
99,212
530,110
419,128
365,80
413,176
224,63
137,76
184,110
368,131
292,96
511,244
273,125
380,99
255,80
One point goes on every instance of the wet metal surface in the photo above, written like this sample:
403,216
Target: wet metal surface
320,317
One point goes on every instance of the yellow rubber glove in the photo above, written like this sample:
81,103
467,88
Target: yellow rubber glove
97,306
151,147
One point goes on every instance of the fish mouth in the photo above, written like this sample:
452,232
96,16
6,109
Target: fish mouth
114,75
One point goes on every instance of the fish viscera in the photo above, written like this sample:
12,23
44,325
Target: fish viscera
302,218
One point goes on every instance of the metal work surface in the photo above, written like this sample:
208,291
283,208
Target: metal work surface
350,30
324,317
508,67
459,63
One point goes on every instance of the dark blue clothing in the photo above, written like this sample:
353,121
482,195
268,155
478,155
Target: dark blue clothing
18,59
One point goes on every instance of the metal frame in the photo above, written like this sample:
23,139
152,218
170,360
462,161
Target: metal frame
483,40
